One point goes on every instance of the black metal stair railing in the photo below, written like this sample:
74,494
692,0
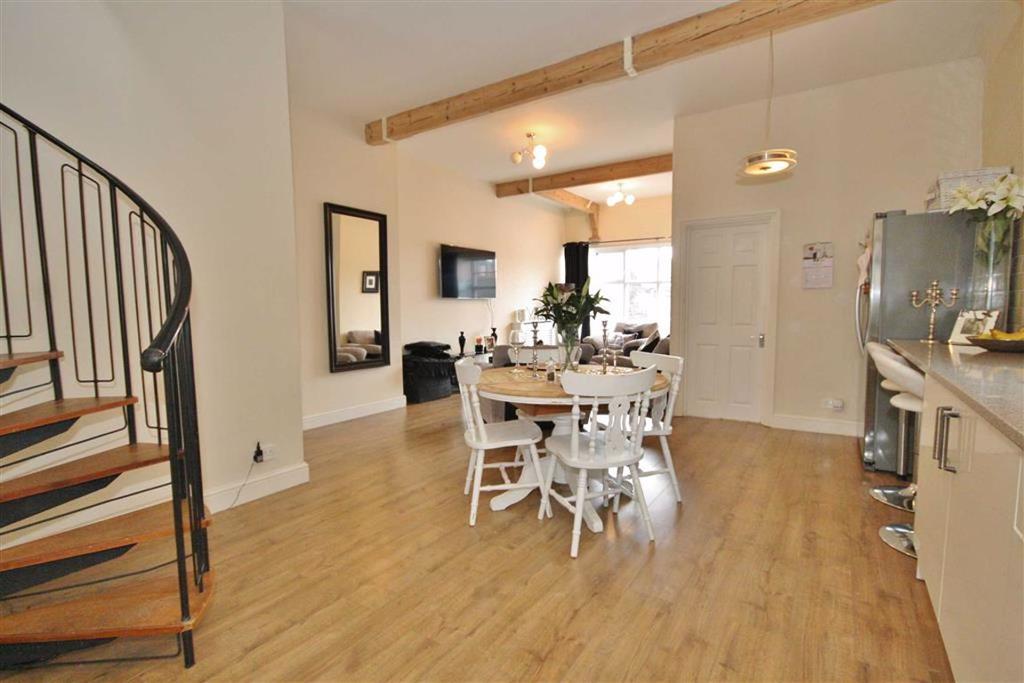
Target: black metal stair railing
119,276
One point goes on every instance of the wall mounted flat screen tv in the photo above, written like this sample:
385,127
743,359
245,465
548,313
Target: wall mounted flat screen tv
467,273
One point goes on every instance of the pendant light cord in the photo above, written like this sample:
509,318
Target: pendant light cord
771,87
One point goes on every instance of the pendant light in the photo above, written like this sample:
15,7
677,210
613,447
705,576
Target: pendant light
535,152
620,196
769,161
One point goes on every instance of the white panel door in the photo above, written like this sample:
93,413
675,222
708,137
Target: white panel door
725,318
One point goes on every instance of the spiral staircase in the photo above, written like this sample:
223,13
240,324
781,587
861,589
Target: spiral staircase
99,443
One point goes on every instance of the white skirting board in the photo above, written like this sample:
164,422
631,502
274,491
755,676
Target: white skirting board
815,424
258,486
351,413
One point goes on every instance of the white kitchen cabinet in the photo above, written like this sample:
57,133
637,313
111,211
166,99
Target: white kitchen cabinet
968,531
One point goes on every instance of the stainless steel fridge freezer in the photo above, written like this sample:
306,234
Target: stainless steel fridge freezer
908,252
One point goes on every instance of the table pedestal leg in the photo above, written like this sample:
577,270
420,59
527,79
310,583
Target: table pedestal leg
563,425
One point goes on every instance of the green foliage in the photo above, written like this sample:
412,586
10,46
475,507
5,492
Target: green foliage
568,308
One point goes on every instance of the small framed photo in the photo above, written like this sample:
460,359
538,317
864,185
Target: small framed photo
971,323
371,281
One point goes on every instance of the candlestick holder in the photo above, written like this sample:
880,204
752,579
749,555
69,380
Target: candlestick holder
534,362
933,299
604,347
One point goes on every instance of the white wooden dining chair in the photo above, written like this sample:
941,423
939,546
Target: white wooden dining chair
544,354
663,408
482,437
618,444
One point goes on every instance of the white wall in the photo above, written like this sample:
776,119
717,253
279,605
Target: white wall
436,206
188,104
1004,100
864,146
332,163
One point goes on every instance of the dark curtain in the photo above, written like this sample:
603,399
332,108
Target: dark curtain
577,270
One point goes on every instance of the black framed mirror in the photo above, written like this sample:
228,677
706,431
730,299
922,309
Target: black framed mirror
355,245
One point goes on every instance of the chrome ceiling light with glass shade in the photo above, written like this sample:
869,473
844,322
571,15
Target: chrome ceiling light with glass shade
769,161
537,153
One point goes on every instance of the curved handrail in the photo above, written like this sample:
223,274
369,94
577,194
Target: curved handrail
154,355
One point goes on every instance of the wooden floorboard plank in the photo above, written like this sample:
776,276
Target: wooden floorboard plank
770,569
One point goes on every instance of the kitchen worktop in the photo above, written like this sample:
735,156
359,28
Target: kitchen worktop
990,383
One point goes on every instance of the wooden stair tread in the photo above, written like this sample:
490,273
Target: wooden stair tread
91,467
13,360
137,609
59,411
139,526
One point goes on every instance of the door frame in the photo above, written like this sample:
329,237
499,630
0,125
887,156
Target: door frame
681,239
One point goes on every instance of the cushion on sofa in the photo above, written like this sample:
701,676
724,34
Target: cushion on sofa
663,345
651,342
642,330
356,352
361,337
631,346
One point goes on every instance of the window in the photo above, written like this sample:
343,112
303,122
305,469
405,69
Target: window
637,280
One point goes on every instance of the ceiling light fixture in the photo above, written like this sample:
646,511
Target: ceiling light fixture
769,161
538,154
619,196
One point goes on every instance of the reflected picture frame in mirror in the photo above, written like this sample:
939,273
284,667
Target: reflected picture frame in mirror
368,279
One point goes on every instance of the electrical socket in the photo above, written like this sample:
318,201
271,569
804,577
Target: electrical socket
835,404
263,452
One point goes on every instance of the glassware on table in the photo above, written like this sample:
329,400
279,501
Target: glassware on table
516,342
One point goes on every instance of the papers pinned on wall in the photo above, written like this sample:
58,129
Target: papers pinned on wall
818,262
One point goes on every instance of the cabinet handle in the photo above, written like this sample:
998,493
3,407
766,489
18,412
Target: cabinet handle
943,459
939,441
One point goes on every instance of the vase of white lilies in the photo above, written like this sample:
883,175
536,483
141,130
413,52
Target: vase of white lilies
567,308
993,210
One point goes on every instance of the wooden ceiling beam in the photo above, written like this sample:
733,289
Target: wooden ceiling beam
571,200
737,22
618,170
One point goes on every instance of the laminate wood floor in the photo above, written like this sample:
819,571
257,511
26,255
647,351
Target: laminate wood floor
770,570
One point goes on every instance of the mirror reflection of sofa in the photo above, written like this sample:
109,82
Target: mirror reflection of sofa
358,345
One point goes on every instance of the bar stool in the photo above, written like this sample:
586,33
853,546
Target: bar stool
898,496
875,349
909,404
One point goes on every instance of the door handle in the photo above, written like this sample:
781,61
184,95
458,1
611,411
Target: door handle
944,457
937,441
759,338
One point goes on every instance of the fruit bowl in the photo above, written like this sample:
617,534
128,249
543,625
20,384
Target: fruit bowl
1003,345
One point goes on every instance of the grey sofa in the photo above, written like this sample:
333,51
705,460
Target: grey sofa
502,358
629,337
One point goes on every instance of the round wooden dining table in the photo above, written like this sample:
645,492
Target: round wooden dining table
541,400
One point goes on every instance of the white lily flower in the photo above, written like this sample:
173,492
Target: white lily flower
1003,195
976,199
1007,194
961,199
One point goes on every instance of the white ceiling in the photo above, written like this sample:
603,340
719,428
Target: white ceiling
361,60
656,185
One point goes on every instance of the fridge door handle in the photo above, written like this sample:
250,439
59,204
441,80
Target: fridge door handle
858,308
